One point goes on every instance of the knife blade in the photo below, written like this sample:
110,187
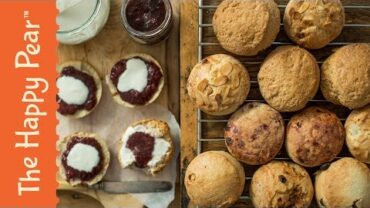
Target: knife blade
133,186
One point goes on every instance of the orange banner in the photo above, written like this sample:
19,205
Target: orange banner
27,104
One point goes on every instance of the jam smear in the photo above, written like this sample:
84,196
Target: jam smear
73,174
145,15
142,145
70,109
132,96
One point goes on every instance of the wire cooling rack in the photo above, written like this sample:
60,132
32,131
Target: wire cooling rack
208,44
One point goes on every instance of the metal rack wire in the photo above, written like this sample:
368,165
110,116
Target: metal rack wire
202,45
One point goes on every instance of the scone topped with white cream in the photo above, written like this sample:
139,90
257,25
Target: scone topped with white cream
146,145
83,158
136,80
79,88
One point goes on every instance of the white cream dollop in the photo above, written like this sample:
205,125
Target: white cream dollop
161,146
135,77
72,91
83,157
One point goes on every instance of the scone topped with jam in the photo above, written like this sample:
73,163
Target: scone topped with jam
79,88
146,145
83,158
136,80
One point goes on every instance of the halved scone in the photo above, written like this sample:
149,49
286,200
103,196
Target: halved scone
136,80
146,145
80,89
83,158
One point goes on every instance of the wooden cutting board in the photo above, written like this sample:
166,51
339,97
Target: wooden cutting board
104,50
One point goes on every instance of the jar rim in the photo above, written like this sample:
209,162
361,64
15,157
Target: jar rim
85,24
148,34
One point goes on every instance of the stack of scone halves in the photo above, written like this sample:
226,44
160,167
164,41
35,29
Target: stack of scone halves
288,79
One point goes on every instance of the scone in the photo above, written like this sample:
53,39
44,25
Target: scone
214,179
345,76
255,133
136,80
146,145
79,89
346,183
83,158
314,136
358,134
313,23
246,27
218,84
281,184
289,77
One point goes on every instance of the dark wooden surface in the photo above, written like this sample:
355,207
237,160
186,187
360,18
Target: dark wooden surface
214,130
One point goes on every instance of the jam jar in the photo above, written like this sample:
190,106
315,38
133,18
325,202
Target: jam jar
147,21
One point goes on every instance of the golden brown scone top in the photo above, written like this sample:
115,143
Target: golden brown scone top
255,133
289,77
345,76
281,184
245,27
214,179
218,84
157,124
314,136
358,134
346,183
313,23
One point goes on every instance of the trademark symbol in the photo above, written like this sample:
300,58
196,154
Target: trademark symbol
26,14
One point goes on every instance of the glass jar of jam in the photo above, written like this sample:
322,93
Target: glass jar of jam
147,21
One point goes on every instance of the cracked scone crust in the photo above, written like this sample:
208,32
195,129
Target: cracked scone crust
255,133
214,179
345,76
358,134
313,23
281,184
245,27
218,84
346,183
314,136
281,78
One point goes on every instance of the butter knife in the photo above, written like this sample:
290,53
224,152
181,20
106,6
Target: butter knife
133,186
